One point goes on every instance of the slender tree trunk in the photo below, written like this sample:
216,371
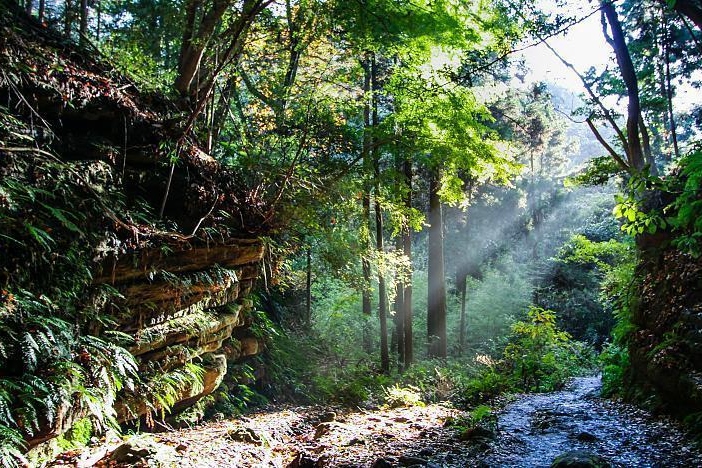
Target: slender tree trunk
222,109
436,307
42,10
28,6
191,9
83,22
399,333
98,26
193,47
365,235
635,152
308,295
669,88
646,145
407,250
68,13
461,283
382,290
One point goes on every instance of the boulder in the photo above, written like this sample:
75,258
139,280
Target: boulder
580,459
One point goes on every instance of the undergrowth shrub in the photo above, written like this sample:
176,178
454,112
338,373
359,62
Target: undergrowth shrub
615,361
353,385
397,396
440,380
540,357
486,385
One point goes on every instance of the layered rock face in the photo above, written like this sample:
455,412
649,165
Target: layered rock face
180,304
666,349
121,229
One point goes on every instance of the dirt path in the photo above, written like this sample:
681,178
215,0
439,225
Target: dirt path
532,431
315,437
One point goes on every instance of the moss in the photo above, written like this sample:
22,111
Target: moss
195,413
78,435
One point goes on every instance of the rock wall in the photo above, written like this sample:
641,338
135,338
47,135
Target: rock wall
666,349
180,303
91,158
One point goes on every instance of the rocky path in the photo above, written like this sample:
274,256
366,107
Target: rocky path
537,428
532,431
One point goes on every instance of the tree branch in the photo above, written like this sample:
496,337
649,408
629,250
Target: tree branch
607,146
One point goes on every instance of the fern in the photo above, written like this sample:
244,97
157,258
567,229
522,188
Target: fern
164,390
63,217
40,236
11,445
6,417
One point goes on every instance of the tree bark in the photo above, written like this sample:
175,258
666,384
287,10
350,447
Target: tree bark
365,235
382,291
83,22
461,283
635,154
398,336
692,9
407,250
308,295
668,88
29,6
98,26
42,10
68,14
436,303
195,42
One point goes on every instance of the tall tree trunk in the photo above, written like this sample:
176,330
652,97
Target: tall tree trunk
68,14
634,150
83,22
365,235
29,6
398,341
461,284
308,295
98,26
668,87
690,8
193,46
407,250
436,307
42,10
382,291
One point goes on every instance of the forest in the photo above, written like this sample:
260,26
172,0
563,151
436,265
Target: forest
306,233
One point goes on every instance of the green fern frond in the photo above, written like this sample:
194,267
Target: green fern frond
62,216
11,445
40,236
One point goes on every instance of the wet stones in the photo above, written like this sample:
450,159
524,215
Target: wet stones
545,420
586,437
580,459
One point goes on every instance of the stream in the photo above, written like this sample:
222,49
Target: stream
536,428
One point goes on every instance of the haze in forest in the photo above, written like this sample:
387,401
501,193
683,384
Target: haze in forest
329,233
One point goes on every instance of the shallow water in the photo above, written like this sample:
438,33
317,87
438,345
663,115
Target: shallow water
536,428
